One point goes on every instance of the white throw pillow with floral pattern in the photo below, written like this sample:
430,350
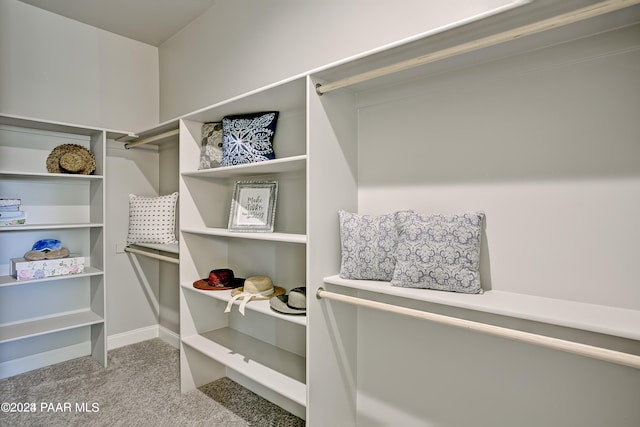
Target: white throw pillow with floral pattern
439,252
368,246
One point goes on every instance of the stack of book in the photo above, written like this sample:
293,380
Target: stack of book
10,213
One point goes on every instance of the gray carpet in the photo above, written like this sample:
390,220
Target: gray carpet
139,388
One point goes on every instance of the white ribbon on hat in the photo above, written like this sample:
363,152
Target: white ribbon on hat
247,297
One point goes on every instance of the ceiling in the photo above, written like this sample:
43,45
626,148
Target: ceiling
148,21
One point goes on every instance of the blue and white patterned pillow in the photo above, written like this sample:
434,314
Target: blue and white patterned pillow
439,252
368,246
248,138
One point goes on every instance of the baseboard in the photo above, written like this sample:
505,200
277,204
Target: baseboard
143,334
132,337
40,360
169,336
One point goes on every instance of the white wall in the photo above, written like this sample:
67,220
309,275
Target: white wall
240,45
58,69
547,145
132,281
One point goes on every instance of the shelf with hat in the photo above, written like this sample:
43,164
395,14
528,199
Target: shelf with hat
48,176
57,172
245,333
231,292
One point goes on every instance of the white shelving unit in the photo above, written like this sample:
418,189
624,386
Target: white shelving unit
535,131
48,320
263,350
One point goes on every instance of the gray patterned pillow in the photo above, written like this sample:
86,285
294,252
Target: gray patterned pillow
152,219
368,246
211,151
439,252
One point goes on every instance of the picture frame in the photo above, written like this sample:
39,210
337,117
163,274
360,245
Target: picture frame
253,206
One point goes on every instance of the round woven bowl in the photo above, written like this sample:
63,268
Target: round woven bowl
71,158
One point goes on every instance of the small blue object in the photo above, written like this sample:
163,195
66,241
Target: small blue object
47,245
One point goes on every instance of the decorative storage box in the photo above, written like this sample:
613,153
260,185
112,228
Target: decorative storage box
23,269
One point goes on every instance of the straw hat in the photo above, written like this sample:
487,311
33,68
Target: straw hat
256,288
295,303
71,158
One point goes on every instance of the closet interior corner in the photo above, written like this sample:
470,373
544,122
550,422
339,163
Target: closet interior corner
525,115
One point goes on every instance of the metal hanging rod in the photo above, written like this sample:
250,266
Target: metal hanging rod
593,352
153,138
151,255
572,17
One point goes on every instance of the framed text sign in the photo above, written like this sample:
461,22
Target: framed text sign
253,206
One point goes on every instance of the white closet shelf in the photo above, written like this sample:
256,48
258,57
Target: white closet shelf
284,164
284,96
272,237
49,176
158,133
173,248
156,251
88,272
280,370
602,319
261,306
49,324
51,126
51,226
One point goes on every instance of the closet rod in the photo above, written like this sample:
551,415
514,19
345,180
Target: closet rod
152,255
572,17
593,352
152,138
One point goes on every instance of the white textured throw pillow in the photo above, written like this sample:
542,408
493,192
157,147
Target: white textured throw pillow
152,219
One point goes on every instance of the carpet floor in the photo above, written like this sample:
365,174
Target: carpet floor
139,388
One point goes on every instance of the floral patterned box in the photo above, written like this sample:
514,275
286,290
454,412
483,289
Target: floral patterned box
23,269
